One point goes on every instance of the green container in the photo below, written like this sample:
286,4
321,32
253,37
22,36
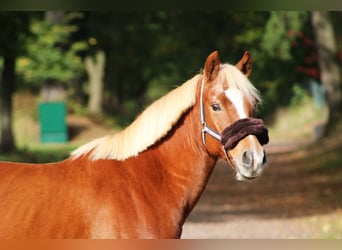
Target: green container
52,117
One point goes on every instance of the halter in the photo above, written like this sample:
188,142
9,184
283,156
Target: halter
205,128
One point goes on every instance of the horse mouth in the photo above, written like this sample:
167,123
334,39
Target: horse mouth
241,177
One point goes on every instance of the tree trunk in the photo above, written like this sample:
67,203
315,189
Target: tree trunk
7,88
54,16
95,70
329,67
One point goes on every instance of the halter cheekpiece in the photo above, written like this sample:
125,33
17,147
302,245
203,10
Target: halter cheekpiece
205,128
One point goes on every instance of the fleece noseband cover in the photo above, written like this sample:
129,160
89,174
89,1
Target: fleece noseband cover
242,128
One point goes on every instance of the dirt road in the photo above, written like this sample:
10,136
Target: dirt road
288,201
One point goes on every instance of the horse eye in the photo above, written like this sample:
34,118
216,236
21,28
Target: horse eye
215,107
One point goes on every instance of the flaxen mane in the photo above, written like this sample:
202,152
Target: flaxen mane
150,126
158,119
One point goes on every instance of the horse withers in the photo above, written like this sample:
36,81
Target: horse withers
143,181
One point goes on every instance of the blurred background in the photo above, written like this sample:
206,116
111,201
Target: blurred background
69,77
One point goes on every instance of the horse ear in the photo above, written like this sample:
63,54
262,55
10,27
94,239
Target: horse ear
245,63
212,66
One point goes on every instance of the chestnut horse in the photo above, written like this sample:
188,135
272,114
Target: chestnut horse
143,181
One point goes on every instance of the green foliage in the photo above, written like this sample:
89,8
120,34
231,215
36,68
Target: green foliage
278,60
279,33
299,95
148,53
51,54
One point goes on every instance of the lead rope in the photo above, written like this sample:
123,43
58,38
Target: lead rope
205,128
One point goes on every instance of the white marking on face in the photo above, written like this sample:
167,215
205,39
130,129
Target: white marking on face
236,97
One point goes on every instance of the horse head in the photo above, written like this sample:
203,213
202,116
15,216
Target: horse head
227,105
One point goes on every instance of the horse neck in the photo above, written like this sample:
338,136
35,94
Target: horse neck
184,158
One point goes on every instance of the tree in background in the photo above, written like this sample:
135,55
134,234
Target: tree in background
95,70
148,53
329,67
275,62
44,52
52,56
277,38
14,31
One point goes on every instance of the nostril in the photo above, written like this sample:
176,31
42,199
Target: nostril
264,160
247,158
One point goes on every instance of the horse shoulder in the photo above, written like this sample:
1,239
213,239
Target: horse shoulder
130,191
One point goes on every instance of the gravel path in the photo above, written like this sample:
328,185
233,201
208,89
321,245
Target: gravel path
250,229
